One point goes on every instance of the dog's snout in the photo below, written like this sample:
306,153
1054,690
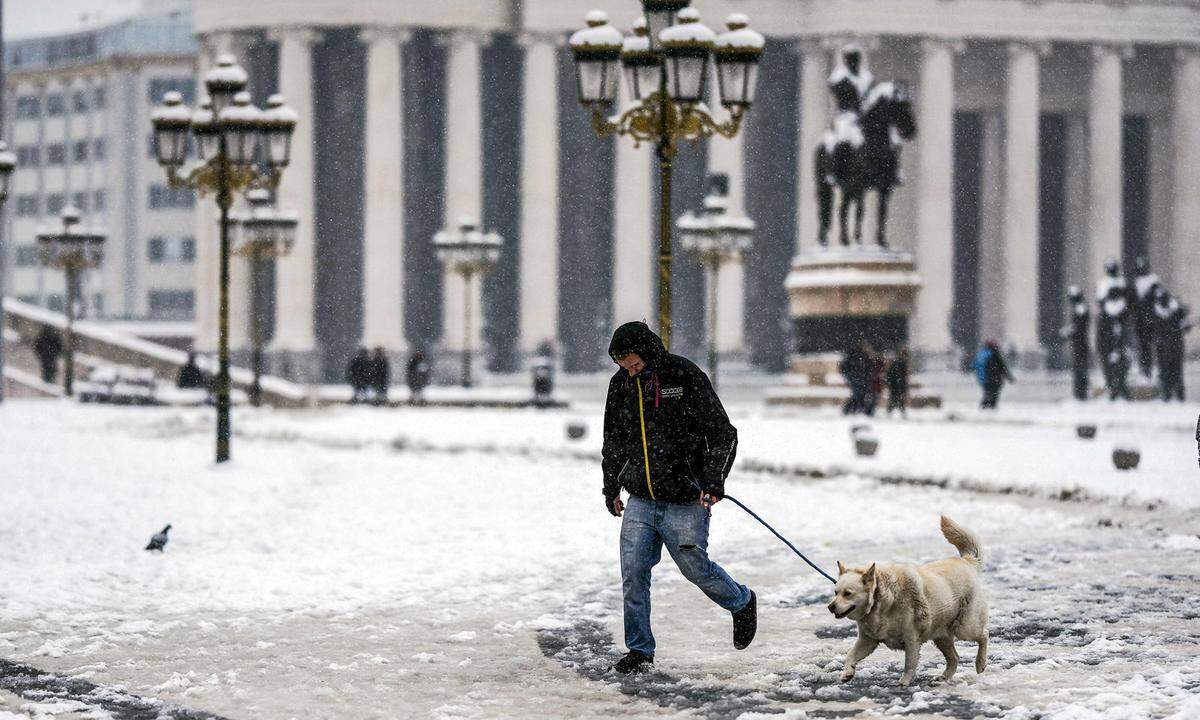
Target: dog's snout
832,608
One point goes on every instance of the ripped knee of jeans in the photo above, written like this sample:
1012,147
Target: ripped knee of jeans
687,547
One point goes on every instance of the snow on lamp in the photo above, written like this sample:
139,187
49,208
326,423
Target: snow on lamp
686,47
597,51
736,54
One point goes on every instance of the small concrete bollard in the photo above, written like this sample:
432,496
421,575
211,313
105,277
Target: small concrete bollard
865,442
1085,432
576,430
1126,458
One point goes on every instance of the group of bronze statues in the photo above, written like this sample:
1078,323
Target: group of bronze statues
1133,313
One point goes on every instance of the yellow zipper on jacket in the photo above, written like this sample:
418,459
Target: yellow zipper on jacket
645,450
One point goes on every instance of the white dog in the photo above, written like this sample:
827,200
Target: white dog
903,606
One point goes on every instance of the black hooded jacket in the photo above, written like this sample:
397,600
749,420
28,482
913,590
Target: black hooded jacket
664,427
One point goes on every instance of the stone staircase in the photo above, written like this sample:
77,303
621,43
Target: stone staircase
96,344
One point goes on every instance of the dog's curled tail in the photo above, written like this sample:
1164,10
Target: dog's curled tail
963,540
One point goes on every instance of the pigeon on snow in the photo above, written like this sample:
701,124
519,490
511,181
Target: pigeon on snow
159,541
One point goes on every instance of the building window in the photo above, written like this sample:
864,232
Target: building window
29,106
55,105
80,200
100,201
171,250
29,156
55,203
28,205
99,98
54,303
163,197
98,148
56,154
171,304
28,299
97,304
183,85
81,150
79,101
27,255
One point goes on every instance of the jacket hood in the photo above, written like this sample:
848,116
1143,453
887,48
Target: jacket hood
637,337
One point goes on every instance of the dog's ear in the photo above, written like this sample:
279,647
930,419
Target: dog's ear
841,568
869,576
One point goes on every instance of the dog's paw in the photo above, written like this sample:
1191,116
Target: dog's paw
980,664
847,675
905,680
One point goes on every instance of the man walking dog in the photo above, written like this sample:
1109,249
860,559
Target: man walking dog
669,444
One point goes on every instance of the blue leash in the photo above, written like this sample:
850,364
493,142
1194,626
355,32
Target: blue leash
767,525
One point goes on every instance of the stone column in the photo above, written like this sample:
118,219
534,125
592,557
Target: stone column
1185,118
1075,236
207,250
728,156
383,212
1105,167
464,176
538,274
240,305
1021,229
294,344
634,270
935,201
991,231
814,119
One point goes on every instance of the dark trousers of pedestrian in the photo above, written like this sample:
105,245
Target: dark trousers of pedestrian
381,393
49,370
1079,370
360,394
858,399
991,397
898,400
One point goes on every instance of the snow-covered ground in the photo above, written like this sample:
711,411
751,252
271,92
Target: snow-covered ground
374,563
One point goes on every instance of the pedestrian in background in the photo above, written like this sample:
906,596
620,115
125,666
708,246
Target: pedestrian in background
381,376
992,372
417,377
358,374
856,367
897,383
48,346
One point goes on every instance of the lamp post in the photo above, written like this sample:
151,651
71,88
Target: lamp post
714,237
238,148
8,163
666,63
468,251
73,250
265,233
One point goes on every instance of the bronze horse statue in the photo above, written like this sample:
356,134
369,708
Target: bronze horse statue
864,155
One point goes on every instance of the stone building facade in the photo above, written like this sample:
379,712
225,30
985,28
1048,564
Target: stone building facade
77,114
1053,134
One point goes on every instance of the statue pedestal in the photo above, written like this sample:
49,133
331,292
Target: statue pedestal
836,298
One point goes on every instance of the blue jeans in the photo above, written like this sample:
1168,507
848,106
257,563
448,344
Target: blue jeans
646,526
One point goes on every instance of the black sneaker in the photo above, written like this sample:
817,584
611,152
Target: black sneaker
633,662
745,623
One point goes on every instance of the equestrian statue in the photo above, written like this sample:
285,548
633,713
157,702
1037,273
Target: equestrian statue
861,149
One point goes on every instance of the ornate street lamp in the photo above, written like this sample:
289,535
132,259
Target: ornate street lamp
238,148
467,251
73,249
666,63
8,163
714,238
265,233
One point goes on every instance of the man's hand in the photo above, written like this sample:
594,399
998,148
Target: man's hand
615,506
708,500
